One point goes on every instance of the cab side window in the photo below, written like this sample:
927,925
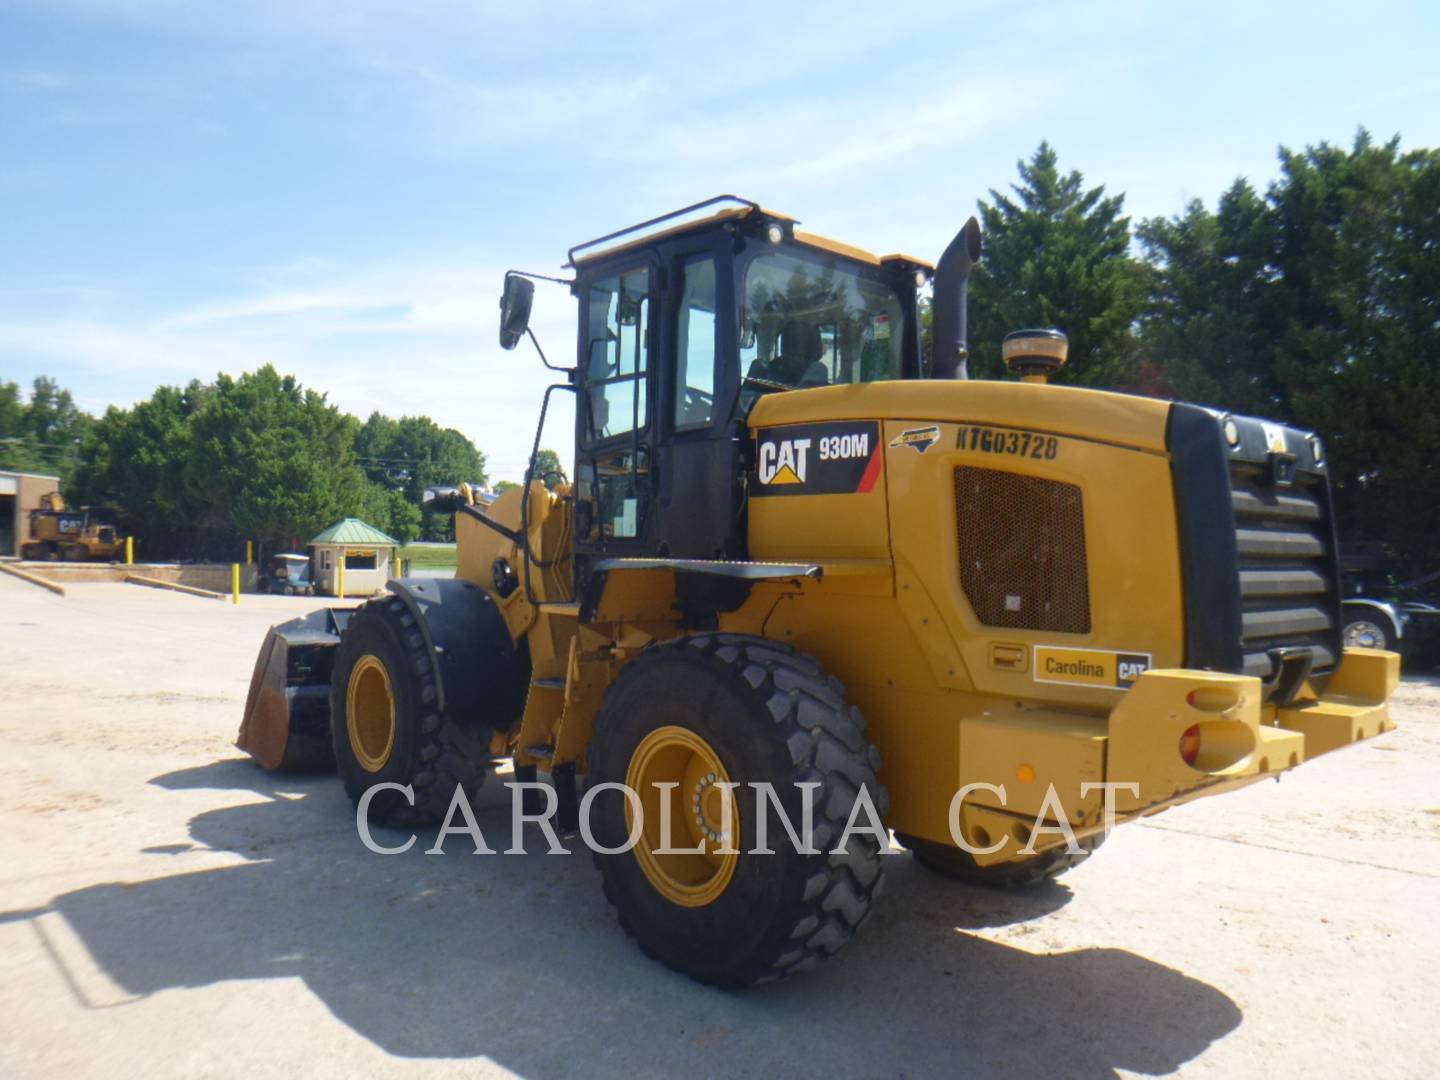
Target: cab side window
695,345
617,360
613,479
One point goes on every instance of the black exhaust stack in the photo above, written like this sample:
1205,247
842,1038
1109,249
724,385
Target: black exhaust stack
952,276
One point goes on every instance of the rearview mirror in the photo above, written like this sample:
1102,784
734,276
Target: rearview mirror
515,309
442,500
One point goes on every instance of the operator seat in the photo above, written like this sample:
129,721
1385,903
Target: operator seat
801,348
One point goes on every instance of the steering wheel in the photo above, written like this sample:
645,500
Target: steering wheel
698,407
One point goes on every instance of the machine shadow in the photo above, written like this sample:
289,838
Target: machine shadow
519,960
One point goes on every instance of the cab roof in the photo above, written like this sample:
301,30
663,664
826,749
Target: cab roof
723,208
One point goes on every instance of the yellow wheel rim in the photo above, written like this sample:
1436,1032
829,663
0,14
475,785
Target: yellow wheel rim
370,713
675,769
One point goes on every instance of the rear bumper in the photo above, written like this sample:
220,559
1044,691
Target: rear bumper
1051,764
1240,737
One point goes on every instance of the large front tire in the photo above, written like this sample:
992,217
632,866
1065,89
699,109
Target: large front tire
386,726
704,710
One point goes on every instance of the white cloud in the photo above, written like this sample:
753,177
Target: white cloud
833,142
459,114
418,340
34,79
455,77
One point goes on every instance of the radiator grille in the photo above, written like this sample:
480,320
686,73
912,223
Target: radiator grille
1287,594
1022,550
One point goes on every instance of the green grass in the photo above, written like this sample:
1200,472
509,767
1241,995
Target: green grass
430,557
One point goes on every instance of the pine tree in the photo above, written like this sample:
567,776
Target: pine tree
1057,254
1204,335
1316,305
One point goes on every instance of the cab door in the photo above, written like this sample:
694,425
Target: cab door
614,429
699,510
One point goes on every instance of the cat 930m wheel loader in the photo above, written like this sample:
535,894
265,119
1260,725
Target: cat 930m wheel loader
804,574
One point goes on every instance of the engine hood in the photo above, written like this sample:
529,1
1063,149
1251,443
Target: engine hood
1122,419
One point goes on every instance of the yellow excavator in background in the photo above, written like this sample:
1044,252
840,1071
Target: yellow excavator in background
800,556
84,535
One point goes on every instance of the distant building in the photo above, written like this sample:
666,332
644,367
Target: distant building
365,552
19,494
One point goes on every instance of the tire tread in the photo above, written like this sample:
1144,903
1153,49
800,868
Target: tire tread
825,739
447,755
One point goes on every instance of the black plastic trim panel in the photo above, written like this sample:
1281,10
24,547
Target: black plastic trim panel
1209,556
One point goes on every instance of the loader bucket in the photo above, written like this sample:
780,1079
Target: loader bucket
287,712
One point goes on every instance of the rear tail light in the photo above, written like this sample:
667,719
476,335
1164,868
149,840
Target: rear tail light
1190,744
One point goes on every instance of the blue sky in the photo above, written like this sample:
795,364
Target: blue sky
337,188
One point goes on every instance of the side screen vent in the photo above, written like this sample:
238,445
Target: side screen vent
1022,550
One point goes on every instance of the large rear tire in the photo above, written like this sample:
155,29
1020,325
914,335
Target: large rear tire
960,865
703,710
385,724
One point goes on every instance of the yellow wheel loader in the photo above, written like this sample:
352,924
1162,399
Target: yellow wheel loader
806,576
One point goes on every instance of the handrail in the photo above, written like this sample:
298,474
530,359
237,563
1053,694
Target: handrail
753,207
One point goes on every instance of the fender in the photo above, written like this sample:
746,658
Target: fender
480,676
1390,611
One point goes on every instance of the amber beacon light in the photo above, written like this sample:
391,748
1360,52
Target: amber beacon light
1035,354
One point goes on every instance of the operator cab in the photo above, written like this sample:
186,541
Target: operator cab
682,327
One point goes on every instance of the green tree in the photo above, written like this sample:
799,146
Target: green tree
18,449
271,460
391,512
1204,333
1354,315
43,434
413,453
1316,305
196,471
548,468
12,411
134,460
1057,255
51,416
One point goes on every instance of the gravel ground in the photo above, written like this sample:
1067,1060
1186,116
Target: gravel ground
167,909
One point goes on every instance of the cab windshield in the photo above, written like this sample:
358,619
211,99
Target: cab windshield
812,322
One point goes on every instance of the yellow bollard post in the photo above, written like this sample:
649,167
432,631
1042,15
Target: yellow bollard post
129,551
340,589
249,552
235,582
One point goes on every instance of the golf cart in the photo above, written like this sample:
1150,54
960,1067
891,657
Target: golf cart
289,575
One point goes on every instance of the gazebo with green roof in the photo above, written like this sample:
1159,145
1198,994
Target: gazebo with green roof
352,558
